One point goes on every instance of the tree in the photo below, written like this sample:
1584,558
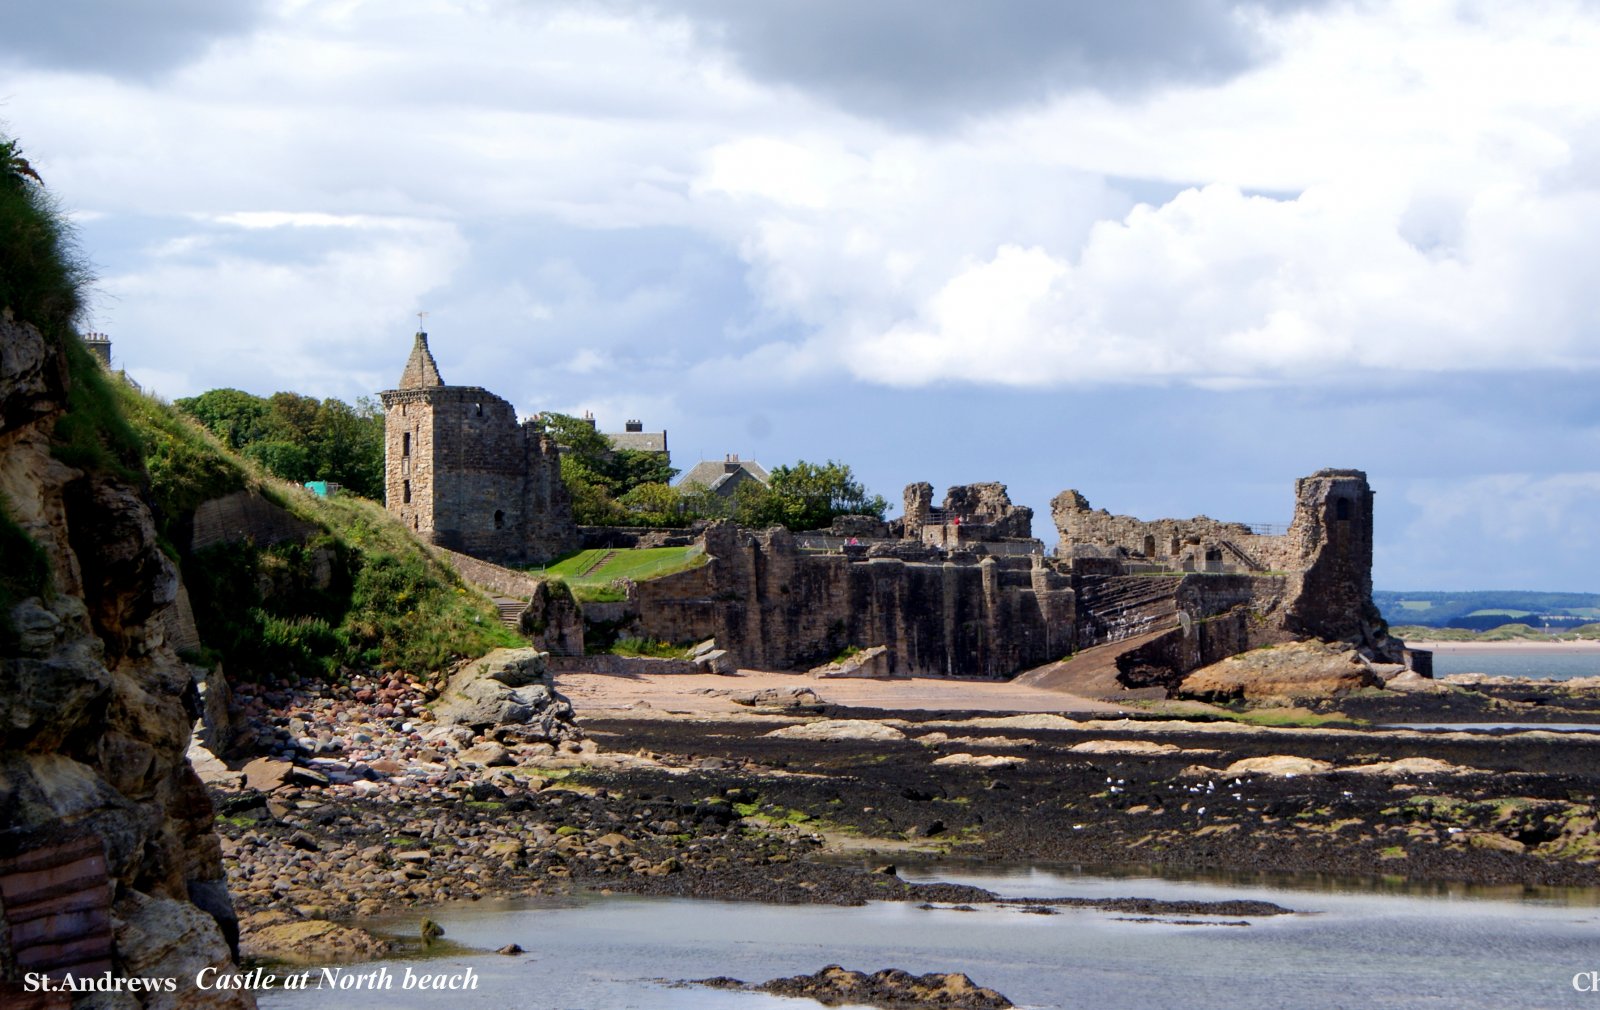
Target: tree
234,416
299,438
806,496
592,504
656,504
632,468
696,501
287,460
599,475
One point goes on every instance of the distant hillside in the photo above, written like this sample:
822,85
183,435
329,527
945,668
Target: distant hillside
1487,609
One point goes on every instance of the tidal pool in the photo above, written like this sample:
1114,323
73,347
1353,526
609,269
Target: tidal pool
1345,948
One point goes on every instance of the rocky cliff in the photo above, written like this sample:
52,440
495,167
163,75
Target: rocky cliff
107,858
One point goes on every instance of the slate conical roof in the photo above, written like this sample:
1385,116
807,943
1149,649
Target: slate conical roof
421,370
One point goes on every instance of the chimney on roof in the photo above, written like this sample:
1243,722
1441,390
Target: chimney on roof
633,426
588,417
100,346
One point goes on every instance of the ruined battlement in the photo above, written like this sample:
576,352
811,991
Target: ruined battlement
970,514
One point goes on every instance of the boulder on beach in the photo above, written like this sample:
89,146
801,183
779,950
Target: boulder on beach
1291,671
508,692
279,936
838,729
1283,765
995,761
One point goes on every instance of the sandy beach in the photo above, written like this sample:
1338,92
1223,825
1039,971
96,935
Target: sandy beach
638,694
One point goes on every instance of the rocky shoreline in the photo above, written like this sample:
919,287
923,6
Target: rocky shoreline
376,807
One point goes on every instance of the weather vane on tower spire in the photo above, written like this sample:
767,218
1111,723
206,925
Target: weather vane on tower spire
422,322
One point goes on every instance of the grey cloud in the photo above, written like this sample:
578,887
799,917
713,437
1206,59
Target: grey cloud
925,64
121,37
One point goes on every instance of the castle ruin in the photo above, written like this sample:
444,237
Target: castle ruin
961,588
463,473
964,591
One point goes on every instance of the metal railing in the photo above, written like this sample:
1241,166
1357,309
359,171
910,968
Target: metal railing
1268,529
999,548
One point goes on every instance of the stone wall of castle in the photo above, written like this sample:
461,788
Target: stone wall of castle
1324,560
774,607
970,514
940,613
1332,534
408,457
1181,544
464,474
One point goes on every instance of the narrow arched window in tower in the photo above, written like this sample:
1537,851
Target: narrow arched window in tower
499,519
405,443
405,491
1341,508
480,409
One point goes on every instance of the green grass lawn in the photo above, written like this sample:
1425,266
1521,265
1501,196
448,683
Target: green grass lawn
639,565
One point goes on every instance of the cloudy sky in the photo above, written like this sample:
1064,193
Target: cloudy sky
1170,254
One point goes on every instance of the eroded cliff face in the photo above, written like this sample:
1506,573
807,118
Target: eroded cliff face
107,857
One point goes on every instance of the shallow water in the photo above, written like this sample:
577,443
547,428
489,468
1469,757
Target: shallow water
1344,948
1518,663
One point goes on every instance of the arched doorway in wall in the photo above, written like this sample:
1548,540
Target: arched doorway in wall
499,519
1149,546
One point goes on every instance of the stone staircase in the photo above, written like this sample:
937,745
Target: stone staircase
510,611
1119,607
598,563
1250,563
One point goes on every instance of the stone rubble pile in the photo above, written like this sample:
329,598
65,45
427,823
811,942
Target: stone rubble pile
367,800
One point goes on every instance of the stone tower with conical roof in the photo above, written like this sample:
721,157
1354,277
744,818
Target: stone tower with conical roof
463,473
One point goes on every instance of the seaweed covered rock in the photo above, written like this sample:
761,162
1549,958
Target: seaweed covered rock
889,988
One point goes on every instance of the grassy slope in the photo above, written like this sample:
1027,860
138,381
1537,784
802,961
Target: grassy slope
363,592
638,565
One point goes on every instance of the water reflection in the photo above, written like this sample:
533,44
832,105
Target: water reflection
1373,943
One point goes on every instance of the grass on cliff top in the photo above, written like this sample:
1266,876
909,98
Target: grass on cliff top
187,464
43,276
590,568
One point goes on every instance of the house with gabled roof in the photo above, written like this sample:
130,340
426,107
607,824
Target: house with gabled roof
723,477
